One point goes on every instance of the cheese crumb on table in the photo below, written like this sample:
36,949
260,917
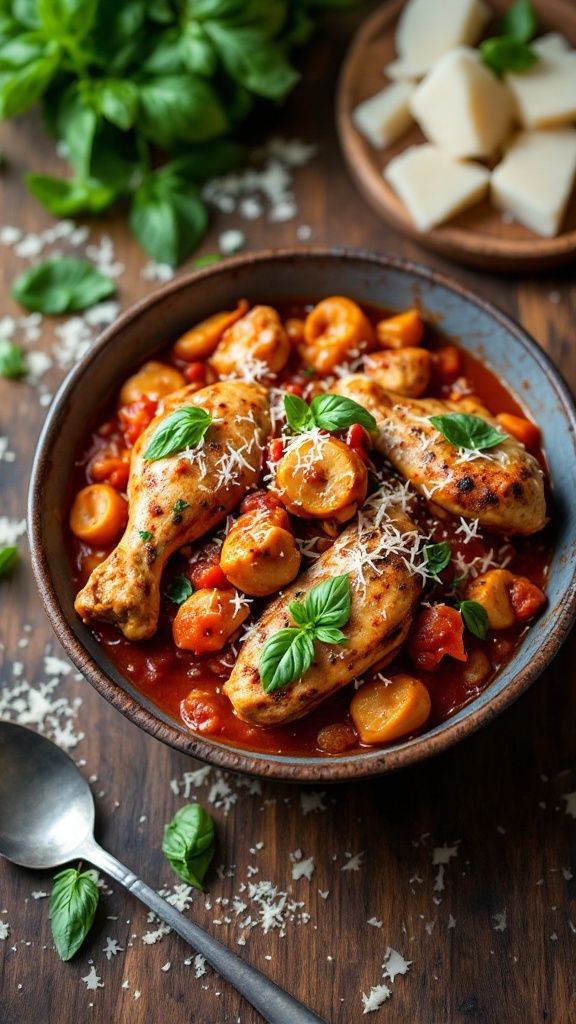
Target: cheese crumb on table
433,185
534,180
385,116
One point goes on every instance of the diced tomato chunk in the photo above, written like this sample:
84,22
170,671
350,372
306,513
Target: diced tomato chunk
201,713
358,440
526,598
437,631
209,576
294,389
261,501
275,451
195,373
135,417
110,469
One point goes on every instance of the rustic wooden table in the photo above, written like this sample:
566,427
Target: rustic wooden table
462,867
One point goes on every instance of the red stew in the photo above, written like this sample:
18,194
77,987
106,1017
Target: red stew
452,663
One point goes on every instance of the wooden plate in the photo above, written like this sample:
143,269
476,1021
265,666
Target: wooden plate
480,235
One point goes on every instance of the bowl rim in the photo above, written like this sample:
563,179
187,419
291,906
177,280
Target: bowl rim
323,769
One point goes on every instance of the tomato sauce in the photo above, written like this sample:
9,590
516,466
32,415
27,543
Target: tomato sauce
166,674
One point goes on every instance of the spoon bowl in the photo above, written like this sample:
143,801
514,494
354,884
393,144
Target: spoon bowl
47,819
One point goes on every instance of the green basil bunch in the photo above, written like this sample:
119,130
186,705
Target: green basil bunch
146,96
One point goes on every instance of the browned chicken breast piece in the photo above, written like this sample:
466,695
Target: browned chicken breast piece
384,595
175,500
502,487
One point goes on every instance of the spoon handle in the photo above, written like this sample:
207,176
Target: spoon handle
274,1004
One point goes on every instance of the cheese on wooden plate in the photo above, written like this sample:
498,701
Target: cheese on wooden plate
534,180
552,45
545,95
433,185
385,116
462,107
429,28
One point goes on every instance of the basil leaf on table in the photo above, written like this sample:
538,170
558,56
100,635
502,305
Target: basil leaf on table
12,362
190,844
73,903
67,198
179,108
329,412
519,22
436,557
61,285
117,101
475,618
183,428
8,558
168,218
465,431
23,88
254,62
179,589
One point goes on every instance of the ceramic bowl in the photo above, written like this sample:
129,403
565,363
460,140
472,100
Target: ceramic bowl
279,275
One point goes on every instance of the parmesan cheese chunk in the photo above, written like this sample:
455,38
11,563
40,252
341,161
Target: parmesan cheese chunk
545,95
433,185
462,107
534,180
429,28
551,46
385,116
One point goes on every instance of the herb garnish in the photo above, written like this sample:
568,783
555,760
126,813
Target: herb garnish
178,508
475,618
436,558
509,50
179,589
330,412
73,903
190,843
183,428
12,362
61,285
8,558
465,431
145,534
288,654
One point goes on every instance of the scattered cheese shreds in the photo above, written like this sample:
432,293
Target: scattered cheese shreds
378,995
92,980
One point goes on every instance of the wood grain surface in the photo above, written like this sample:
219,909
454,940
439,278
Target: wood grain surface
464,865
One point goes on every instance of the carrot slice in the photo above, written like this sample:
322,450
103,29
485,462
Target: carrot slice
99,513
520,428
401,331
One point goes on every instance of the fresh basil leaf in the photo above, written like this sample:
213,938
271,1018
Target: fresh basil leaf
465,431
254,62
475,618
183,428
196,51
519,22
21,49
207,260
60,285
328,603
179,108
117,101
160,11
114,161
298,613
285,657
8,558
329,635
67,198
26,12
190,843
168,218
12,362
61,18
179,589
77,124
178,508
21,89
166,57
73,903
502,54
298,414
209,159
436,557
264,16
335,412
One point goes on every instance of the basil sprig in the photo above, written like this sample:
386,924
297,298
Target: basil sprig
475,618
12,362
179,589
183,428
509,50
190,843
8,558
61,286
73,903
465,431
436,558
330,412
288,654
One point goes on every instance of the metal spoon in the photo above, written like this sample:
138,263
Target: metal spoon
47,819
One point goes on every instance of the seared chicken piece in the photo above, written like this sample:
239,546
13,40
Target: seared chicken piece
384,595
502,487
175,500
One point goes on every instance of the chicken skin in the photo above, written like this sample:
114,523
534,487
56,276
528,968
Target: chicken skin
385,592
175,500
502,487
